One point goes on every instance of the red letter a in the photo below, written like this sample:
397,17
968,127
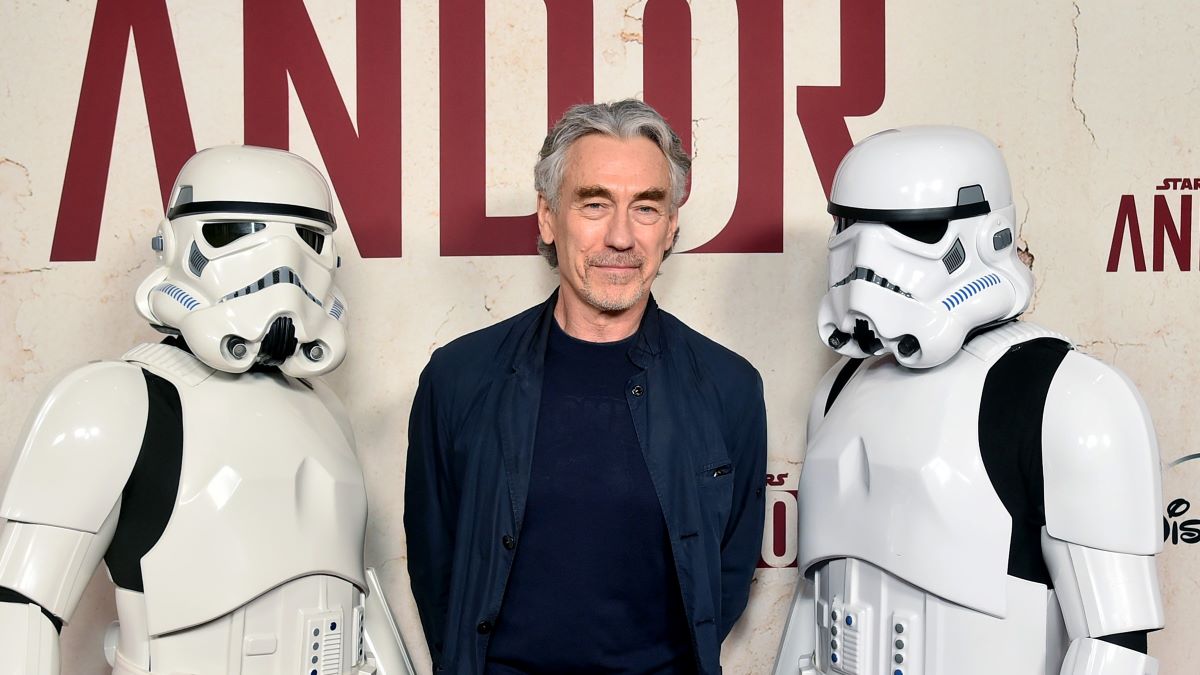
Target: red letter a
78,225
1127,218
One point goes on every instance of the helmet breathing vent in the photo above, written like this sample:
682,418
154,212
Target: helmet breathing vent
279,342
196,260
955,258
961,295
865,337
179,295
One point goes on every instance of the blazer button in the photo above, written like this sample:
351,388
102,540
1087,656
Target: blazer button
637,390
484,627
509,542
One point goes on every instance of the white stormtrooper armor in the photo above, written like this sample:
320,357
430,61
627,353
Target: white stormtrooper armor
976,496
220,489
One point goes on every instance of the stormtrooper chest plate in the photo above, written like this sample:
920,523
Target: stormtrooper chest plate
893,476
269,491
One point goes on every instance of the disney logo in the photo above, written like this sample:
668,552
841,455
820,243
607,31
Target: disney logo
1187,531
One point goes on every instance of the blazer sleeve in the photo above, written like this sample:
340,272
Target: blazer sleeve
430,508
742,543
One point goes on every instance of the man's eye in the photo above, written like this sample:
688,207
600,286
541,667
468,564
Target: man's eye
647,215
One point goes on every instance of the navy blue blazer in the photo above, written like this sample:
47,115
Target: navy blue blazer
700,419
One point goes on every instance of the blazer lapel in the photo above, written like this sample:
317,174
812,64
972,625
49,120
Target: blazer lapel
519,400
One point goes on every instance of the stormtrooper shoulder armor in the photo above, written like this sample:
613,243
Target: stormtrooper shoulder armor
79,448
1103,487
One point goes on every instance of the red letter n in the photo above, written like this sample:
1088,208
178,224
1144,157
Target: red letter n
1164,228
364,165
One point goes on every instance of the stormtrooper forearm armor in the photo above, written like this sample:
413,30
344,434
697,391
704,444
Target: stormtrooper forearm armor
1086,581
45,570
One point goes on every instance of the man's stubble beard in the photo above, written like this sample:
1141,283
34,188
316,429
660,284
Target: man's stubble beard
610,304
613,304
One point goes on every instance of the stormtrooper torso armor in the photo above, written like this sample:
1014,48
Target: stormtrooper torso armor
290,492
235,523
923,500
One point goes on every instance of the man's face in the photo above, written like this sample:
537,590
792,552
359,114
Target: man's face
613,222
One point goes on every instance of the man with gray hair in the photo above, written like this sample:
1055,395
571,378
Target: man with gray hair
584,489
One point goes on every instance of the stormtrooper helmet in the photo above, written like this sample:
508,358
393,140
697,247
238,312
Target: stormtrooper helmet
922,250
246,264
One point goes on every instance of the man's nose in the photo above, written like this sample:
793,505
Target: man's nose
619,234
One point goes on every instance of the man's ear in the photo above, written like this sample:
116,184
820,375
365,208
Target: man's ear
545,218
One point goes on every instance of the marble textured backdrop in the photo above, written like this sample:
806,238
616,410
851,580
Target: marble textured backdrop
1089,102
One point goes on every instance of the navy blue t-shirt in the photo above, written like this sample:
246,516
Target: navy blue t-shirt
593,586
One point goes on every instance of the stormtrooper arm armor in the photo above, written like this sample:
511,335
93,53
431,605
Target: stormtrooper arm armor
1103,494
1104,596
61,505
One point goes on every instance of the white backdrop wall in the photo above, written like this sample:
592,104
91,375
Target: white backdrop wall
1092,103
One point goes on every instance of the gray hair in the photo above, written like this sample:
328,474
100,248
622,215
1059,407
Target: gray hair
625,119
